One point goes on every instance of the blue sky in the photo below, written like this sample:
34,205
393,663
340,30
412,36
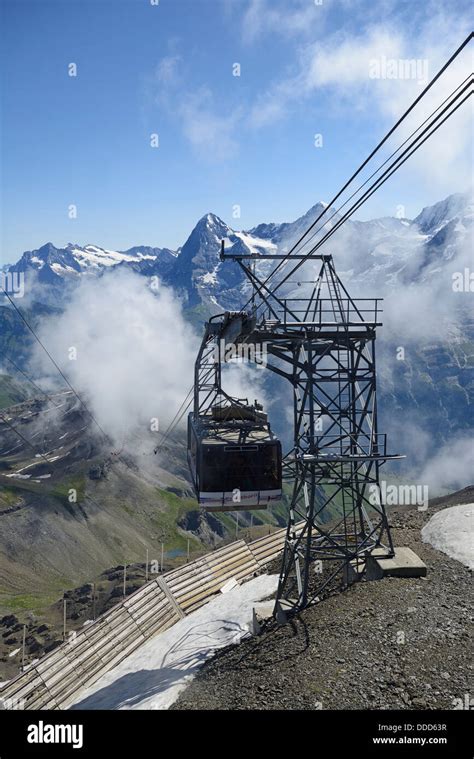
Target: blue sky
224,140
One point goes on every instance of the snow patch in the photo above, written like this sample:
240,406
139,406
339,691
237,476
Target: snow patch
253,243
94,257
451,531
58,268
36,260
153,676
210,278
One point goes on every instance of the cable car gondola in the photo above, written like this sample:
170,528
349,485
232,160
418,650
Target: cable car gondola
234,458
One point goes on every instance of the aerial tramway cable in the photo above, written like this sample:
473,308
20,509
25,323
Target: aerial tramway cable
407,153
337,210
380,181
28,443
25,375
369,157
22,317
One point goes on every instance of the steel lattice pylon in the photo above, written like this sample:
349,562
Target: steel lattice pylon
323,343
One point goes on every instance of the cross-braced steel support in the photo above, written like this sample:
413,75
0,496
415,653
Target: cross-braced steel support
323,343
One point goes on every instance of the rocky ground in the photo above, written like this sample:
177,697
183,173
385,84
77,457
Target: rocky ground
390,644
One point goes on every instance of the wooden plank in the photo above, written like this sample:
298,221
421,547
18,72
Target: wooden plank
155,613
126,626
19,683
227,563
197,595
24,691
42,699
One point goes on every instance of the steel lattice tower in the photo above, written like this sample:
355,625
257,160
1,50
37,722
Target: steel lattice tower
323,343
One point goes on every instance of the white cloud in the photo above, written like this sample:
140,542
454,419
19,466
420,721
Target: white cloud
341,70
167,70
289,18
135,356
452,465
209,130
340,66
338,69
135,352
211,133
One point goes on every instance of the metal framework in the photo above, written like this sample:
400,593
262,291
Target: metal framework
323,343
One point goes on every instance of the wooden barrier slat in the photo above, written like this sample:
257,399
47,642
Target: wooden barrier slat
157,622
192,600
224,569
43,700
21,693
52,682
154,613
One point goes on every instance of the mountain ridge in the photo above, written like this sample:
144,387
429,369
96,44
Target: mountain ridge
381,251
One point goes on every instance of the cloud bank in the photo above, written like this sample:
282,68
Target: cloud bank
127,349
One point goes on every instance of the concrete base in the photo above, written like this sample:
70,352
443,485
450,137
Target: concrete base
405,563
281,611
353,571
261,613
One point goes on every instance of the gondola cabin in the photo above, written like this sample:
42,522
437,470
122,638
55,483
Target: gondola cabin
234,459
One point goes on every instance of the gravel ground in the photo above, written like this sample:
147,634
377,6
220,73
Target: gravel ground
389,644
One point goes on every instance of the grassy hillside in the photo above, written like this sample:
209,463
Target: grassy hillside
76,508
12,391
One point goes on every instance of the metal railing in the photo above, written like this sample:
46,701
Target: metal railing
326,311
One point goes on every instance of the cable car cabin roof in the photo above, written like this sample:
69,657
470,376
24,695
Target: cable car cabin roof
237,436
239,413
232,432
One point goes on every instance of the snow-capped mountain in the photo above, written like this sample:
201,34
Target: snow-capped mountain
53,264
201,274
409,262
376,254
454,207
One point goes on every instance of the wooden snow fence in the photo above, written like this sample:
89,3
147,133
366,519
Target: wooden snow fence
53,681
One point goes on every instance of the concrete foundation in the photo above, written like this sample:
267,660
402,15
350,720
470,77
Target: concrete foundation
354,571
405,563
261,613
281,611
